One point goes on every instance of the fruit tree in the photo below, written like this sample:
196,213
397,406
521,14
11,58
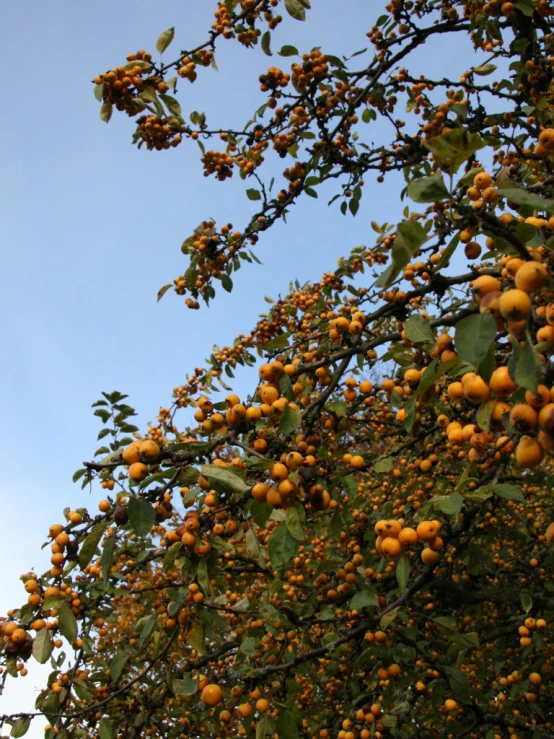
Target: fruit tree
362,546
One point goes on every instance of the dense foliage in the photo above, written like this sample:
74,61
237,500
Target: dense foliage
363,545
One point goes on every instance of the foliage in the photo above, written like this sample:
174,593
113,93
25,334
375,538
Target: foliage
334,556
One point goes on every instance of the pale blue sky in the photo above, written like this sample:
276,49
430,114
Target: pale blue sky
91,228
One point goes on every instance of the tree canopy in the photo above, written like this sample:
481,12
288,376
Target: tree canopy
362,546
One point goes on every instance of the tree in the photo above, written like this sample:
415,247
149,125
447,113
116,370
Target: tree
363,546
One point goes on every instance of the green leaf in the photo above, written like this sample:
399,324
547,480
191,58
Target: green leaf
21,726
279,342
453,148
448,627
524,365
81,690
410,235
68,623
484,69
296,9
254,545
384,465
338,407
224,480
402,572
90,544
388,618
295,517
195,637
248,646
481,493
484,413
107,556
286,726
266,41
450,249
418,330
362,599
526,602
450,505
141,515
290,420
260,512
287,50
105,729
473,337
188,686
285,386
106,112
77,475
253,194
521,197
164,39
117,665
171,553
282,546
459,683
172,104
99,92
226,283
428,189
203,576
148,623
508,492
42,646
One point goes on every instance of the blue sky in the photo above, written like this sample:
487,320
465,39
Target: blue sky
91,228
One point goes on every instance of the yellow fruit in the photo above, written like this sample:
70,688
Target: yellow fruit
211,695
515,305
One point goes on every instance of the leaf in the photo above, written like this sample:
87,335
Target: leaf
227,284
203,576
224,480
481,493
142,515
295,517
147,628
484,413
266,41
105,729
77,475
285,386
290,420
450,505
68,623
450,249
459,683
508,492
172,104
21,726
248,646
90,544
447,626
521,197
286,726
282,546
288,50
418,330
117,665
106,112
428,189
484,69
388,618
279,342
253,194
362,599
524,365
402,572
453,148
295,9
338,407
81,690
164,39
260,512
526,602
195,637
107,556
99,92
473,337
171,553
384,465
410,235
188,686
42,646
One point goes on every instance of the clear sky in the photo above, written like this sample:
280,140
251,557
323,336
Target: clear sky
91,228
